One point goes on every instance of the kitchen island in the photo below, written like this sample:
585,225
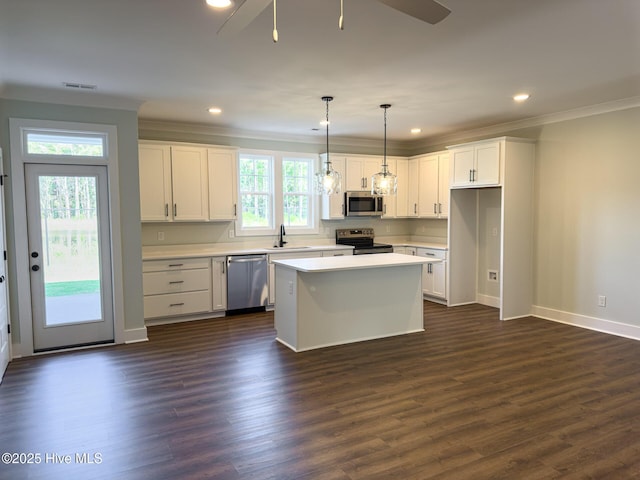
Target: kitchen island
336,300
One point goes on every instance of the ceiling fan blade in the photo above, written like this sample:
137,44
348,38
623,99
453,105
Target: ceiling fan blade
428,11
242,16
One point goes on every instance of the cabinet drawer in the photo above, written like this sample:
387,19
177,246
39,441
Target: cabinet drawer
337,253
292,255
177,264
432,253
177,304
155,283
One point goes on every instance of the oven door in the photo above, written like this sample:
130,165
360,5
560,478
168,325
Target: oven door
363,204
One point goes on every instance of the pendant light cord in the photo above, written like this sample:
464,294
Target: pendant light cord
328,161
384,163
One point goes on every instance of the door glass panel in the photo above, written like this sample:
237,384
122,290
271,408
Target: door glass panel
70,249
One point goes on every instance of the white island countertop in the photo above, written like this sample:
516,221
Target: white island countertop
352,262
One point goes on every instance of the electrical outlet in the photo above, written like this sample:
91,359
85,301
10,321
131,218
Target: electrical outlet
602,301
492,275
290,288
231,233
494,231
388,228
161,236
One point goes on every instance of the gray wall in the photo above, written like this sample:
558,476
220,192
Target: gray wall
127,125
587,220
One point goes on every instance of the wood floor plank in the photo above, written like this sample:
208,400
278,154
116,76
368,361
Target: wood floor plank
469,398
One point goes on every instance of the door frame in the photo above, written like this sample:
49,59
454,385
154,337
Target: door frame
19,157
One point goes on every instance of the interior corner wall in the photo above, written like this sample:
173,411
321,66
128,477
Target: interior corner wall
126,123
587,228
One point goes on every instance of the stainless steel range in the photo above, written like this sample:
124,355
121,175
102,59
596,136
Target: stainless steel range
362,240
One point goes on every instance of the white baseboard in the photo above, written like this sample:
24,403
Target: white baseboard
591,323
488,300
135,335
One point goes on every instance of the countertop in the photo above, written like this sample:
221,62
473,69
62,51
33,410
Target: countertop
165,252
351,262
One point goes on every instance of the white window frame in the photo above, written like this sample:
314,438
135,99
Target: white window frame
277,193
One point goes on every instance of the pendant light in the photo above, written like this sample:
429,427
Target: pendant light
328,181
384,182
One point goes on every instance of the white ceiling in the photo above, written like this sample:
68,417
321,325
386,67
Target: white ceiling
165,57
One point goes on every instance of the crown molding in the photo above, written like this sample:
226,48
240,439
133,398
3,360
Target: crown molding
502,128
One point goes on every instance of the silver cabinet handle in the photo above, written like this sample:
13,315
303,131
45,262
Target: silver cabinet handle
385,209
439,208
435,208
176,282
176,304
415,208
235,210
166,210
175,209
223,267
176,264
471,175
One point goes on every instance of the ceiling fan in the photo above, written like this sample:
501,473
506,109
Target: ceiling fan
428,11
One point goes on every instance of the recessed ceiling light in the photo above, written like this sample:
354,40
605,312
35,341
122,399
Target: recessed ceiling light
521,97
415,131
215,110
219,3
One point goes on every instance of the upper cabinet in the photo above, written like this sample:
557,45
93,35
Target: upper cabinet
433,185
358,172
189,183
222,183
173,183
476,164
156,200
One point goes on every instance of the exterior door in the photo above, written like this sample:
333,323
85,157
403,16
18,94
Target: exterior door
5,344
69,255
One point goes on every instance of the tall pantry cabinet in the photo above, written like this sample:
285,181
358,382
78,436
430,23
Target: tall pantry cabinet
491,225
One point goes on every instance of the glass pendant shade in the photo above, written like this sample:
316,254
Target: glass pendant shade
384,182
328,181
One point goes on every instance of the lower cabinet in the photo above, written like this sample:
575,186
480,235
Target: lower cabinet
176,287
434,274
272,268
219,283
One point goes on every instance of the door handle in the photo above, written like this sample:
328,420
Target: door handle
35,268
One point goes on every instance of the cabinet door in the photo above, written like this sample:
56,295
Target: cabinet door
333,205
414,185
190,183
219,283
370,167
222,184
353,174
402,197
390,202
428,192
439,287
154,163
462,167
487,159
443,185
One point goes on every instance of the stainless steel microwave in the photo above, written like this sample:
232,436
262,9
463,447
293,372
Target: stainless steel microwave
363,204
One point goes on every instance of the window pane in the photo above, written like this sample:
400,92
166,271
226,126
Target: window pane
296,210
43,143
255,211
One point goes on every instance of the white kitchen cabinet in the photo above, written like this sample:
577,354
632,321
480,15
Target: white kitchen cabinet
332,206
475,164
173,183
176,287
434,280
492,229
222,183
337,252
413,191
433,189
219,283
402,197
359,170
405,250
156,201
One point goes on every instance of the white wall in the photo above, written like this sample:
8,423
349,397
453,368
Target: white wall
587,219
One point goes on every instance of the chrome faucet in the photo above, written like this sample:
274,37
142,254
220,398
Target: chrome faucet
281,241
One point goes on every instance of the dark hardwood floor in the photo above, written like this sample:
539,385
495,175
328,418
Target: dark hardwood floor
470,398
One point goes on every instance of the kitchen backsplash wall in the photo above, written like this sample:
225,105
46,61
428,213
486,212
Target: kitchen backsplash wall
196,233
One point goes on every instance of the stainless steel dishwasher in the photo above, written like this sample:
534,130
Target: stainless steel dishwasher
246,282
